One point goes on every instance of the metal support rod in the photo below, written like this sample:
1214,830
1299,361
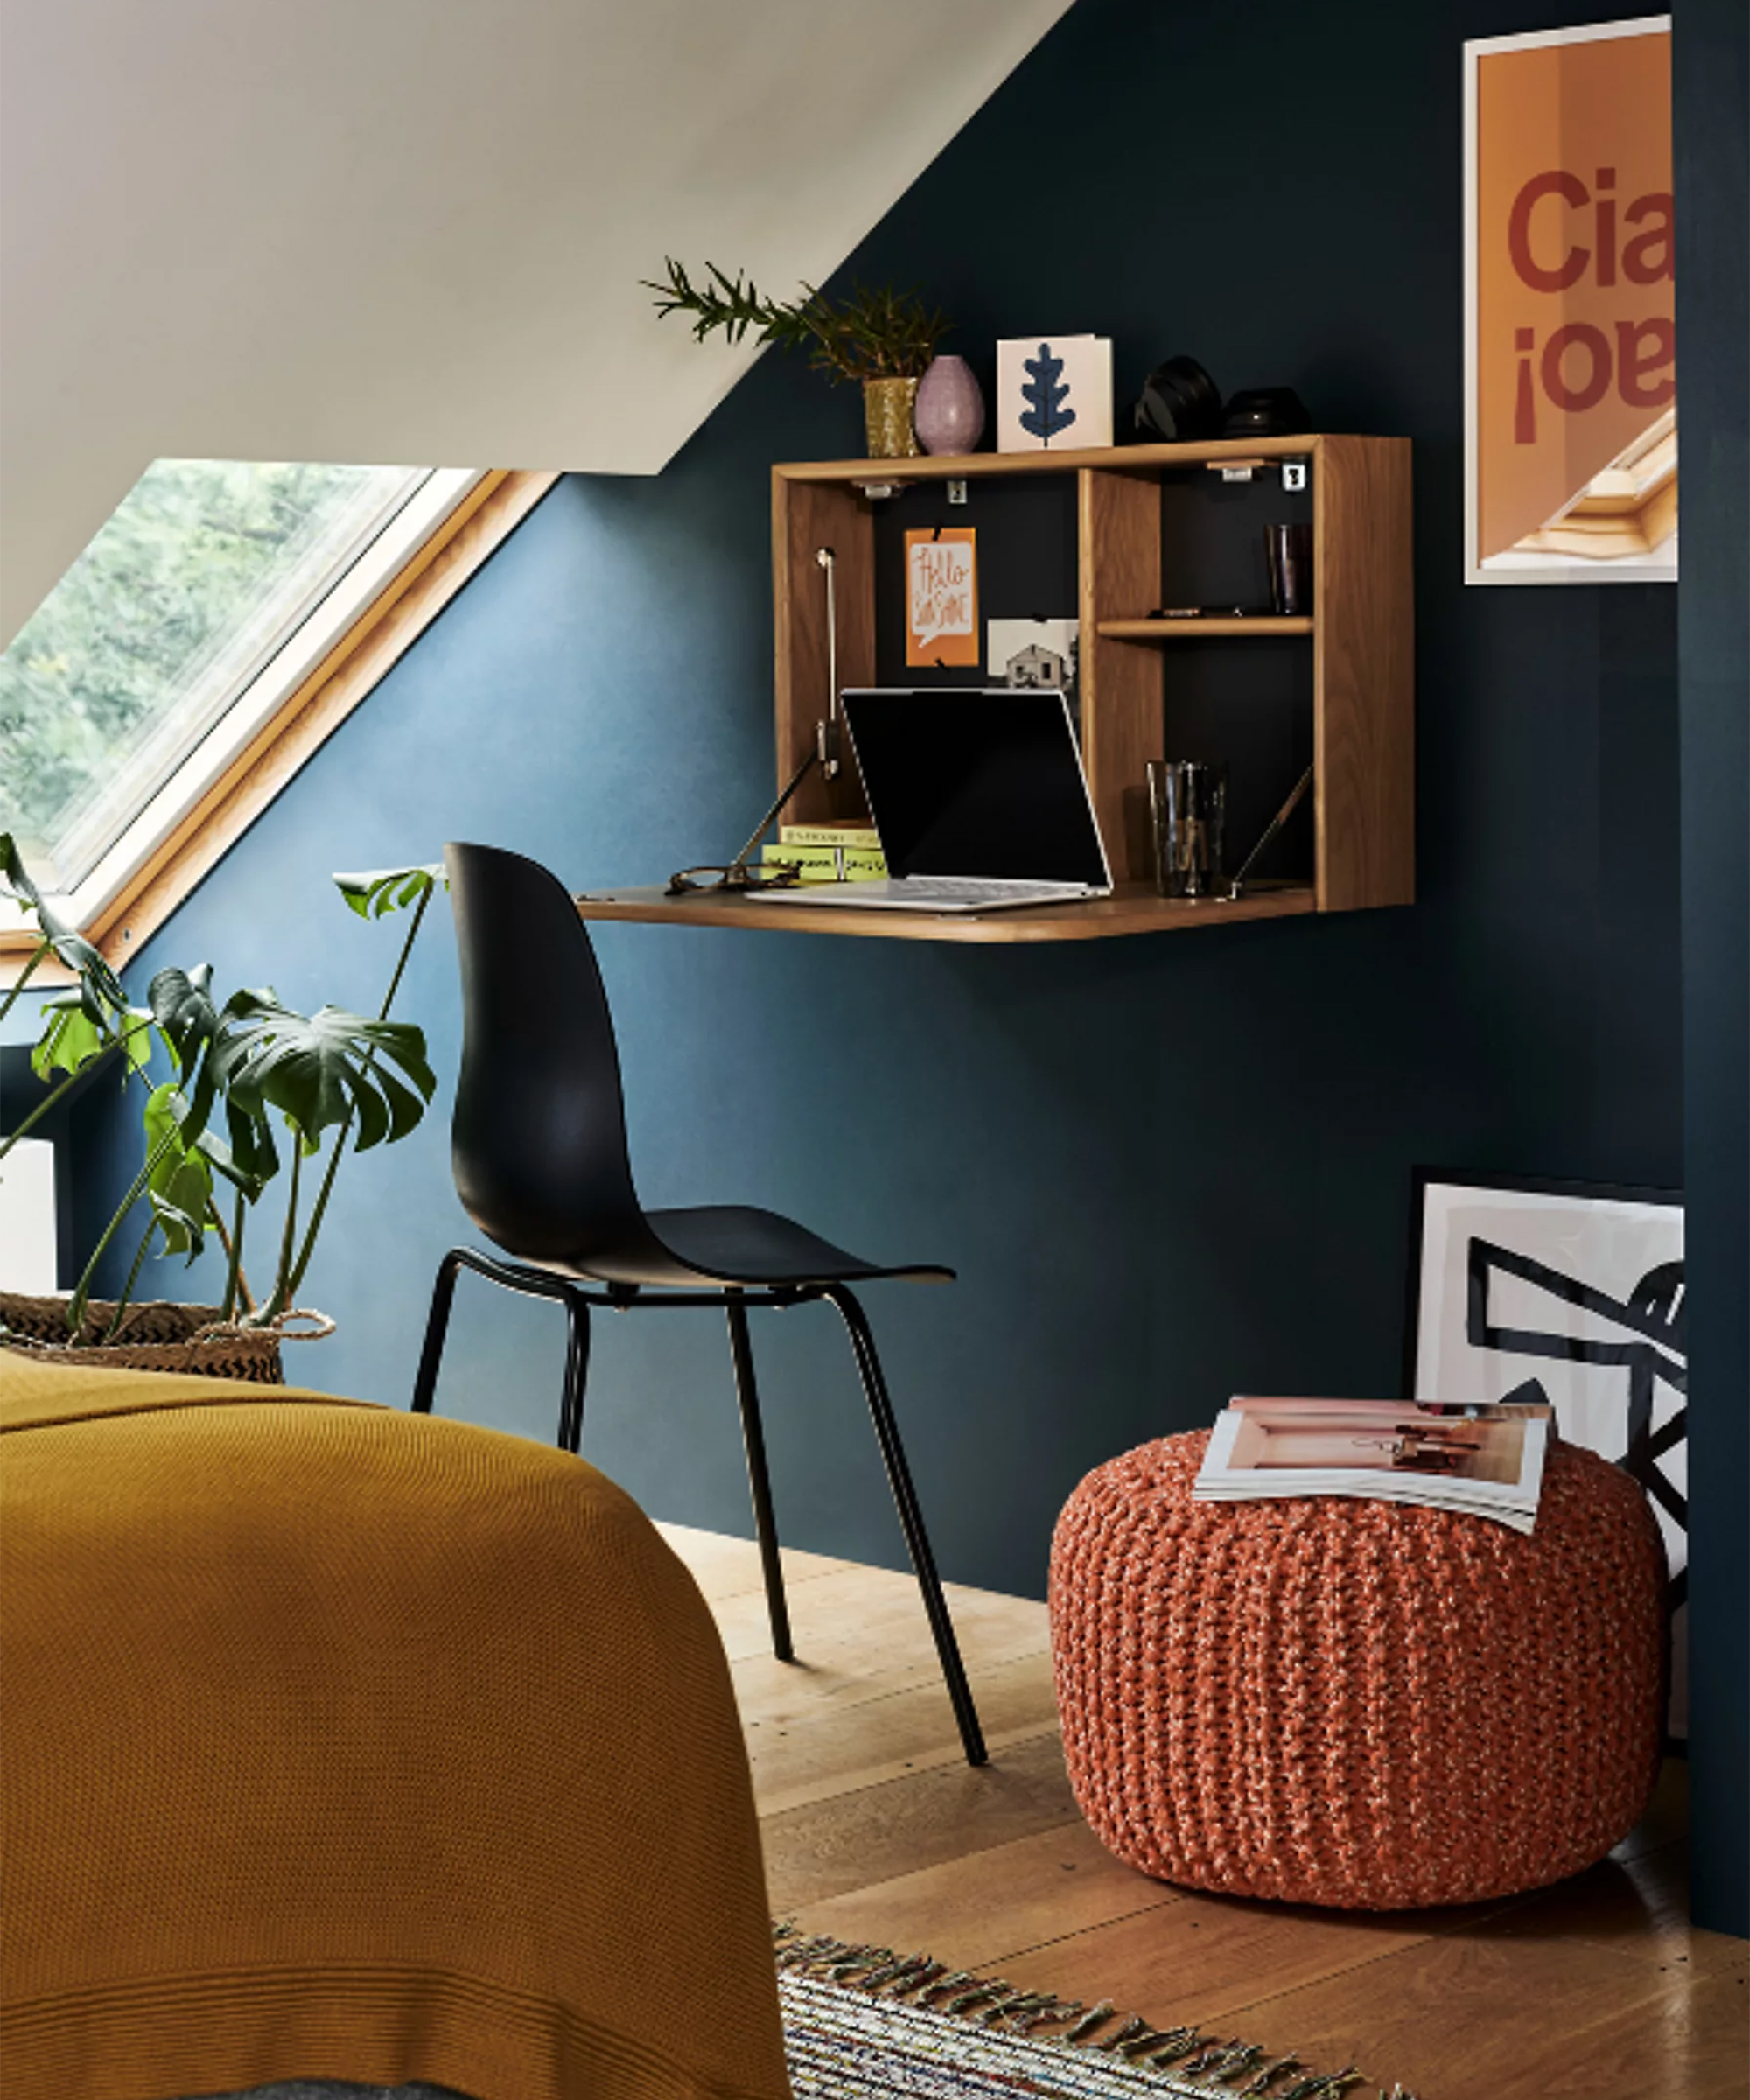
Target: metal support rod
826,730
911,1519
1271,830
577,1371
618,1297
758,1481
738,865
436,1325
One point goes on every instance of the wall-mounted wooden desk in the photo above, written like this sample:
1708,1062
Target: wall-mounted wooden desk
1133,908
1146,525
1131,520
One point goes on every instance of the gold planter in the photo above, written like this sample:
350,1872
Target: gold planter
887,406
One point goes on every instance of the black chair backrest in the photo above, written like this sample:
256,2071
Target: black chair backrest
538,1141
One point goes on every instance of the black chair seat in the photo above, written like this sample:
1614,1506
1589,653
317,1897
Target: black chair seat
732,1243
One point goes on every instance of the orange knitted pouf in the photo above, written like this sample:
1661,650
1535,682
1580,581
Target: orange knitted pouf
1356,1703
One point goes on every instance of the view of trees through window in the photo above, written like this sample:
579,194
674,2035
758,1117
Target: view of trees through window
198,576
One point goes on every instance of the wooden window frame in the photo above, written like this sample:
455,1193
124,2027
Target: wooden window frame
309,714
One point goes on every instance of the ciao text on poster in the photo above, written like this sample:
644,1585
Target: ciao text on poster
1570,343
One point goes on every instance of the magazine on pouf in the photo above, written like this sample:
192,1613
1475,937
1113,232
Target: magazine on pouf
1483,1459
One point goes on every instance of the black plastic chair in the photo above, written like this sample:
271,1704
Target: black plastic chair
538,1146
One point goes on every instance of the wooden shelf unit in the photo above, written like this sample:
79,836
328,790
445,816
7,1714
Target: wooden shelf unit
1360,635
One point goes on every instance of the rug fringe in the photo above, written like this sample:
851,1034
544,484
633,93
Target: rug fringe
1185,2052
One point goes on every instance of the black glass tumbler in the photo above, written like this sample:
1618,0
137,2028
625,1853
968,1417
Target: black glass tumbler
1289,550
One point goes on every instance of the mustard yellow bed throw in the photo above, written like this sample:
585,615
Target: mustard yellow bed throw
341,1743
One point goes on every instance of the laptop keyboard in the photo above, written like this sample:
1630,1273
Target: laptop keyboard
967,889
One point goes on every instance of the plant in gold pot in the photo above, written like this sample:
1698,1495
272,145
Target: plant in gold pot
883,339
332,1081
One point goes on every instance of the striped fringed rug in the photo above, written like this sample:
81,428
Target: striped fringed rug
864,2021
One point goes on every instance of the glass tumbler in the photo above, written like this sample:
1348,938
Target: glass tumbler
1188,813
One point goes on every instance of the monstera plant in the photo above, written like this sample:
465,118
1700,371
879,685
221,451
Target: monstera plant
331,1081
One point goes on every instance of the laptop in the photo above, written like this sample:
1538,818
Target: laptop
978,799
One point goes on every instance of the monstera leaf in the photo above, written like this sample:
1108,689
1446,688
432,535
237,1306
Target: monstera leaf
254,1156
320,1069
71,1038
86,1025
382,890
182,1005
189,1021
179,1179
100,990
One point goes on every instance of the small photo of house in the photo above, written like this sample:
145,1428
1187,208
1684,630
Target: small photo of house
1032,653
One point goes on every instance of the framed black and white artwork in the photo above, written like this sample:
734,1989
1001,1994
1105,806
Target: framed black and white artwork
1576,1289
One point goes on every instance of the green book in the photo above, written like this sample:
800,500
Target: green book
825,863
857,838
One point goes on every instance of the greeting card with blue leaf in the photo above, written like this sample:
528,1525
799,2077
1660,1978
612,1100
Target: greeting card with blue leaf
1054,391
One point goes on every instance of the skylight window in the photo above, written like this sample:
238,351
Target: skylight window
167,632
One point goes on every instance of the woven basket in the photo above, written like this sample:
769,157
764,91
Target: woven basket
154,1336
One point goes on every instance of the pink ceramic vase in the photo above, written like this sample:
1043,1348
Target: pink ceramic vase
949,414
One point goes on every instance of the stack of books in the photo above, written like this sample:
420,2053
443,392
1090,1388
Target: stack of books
1483,1459
828,852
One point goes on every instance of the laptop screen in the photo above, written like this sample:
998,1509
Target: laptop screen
980,783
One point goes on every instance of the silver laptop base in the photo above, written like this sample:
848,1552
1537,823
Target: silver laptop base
931,894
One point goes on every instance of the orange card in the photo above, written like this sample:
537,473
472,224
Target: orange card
941,596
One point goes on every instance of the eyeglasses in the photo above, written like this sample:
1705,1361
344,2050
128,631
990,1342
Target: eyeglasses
737,876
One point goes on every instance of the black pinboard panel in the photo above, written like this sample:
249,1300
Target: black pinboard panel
1027,551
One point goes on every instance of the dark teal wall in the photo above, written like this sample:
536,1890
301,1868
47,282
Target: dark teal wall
1166,1169
1712,88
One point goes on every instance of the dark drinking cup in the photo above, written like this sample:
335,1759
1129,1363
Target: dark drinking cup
1289,550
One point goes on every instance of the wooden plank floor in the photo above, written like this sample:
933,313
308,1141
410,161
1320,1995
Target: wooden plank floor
876,1829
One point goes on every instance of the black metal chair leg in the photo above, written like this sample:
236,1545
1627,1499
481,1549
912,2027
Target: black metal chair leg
911,1519
436,1325
753,1437
576,1372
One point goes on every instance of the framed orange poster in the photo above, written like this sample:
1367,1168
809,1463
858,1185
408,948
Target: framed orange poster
1570,419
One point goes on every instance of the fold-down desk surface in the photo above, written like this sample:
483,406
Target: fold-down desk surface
1133,908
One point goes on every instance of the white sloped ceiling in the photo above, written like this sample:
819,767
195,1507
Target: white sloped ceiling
412,230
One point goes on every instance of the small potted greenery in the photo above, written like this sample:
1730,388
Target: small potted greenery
884,339
331,1079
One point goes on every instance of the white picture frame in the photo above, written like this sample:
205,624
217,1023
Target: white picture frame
1578,1289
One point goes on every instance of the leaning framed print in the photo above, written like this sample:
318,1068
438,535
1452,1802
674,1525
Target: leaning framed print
1570,1292
1570,417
